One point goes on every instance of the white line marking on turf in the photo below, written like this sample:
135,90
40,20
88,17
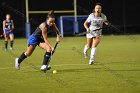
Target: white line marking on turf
51,65
4,68
11,67
69,65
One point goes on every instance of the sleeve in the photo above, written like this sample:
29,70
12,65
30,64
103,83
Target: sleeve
104,17
89,19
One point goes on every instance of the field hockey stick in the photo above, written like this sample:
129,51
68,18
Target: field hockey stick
83,33
54,48
51,57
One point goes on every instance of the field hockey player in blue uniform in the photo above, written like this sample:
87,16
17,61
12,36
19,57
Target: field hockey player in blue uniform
39,37
8,27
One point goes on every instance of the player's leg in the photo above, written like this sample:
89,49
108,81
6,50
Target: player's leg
6,42
96,41
11,41
24,55
47,55
87,46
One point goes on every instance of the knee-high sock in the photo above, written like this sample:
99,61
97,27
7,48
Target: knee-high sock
22,57
85,49
6,44
11,43
93,51
46,58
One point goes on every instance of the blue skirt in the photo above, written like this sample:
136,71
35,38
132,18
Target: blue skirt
8,32
32,40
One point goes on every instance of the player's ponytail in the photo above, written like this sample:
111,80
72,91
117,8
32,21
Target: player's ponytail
51,14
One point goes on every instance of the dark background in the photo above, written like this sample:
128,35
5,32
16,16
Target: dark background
124,14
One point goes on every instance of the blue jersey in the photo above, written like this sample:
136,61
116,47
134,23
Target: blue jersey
8,27
37,37
8,24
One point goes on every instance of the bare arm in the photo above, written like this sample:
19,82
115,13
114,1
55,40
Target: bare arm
57,32
4,25
12,25
106,22
86,26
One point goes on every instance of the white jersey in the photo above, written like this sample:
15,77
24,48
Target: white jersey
96,22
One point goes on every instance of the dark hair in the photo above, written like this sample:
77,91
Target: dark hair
51,14
98,3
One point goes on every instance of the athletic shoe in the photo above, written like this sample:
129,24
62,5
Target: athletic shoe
11,48
43,67
5,49
17,65
91,62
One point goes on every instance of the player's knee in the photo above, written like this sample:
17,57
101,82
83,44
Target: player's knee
97,37
12,41
6,39
94,46
89,46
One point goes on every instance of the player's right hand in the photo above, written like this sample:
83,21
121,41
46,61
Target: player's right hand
88,30
52,49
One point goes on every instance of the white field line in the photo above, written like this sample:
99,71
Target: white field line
3,68
70,65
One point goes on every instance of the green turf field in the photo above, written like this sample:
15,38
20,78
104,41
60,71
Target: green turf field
116,68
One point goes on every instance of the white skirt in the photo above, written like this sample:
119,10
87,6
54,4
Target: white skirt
95,33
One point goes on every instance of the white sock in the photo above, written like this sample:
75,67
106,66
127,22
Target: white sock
85,49
93,51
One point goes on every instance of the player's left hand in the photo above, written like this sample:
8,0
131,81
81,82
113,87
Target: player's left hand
58,39
106,23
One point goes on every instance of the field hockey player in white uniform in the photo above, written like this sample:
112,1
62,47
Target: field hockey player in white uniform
93,26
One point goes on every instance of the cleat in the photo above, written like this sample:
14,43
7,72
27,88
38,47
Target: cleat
17,65
5,49
45,68
11,48
91,62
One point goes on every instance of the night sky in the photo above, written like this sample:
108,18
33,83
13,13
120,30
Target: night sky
118,12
